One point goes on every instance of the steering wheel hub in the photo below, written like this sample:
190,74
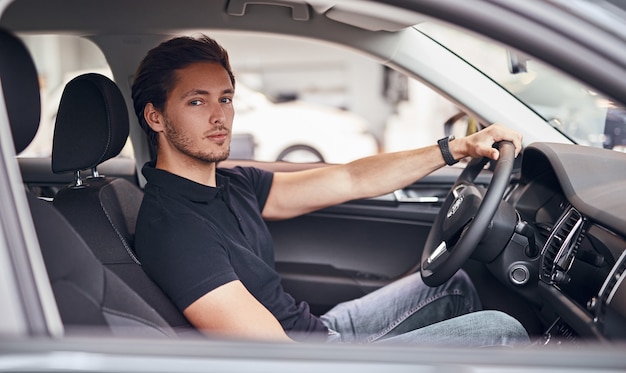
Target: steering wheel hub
455,206
461,213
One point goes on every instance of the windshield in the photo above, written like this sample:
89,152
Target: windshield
581,114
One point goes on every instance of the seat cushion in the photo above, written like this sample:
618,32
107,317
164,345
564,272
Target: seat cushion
89,295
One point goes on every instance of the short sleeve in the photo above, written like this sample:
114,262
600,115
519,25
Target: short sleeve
190,243
259,180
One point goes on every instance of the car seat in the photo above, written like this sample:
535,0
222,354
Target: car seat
87,294
92,127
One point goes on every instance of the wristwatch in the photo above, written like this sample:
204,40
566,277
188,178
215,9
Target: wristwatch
445,150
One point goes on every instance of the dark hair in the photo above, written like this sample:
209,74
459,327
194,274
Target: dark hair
155,76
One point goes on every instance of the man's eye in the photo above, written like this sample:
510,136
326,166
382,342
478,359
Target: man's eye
227,100
195,102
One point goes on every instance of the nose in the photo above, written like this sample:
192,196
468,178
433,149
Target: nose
218,115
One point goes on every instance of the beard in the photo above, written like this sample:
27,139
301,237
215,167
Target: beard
185,145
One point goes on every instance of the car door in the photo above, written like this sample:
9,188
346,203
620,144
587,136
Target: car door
346,251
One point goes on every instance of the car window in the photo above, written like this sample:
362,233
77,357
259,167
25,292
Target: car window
60,58
296,100
582,114
302,100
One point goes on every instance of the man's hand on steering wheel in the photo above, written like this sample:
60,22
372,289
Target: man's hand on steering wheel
467,210
480,144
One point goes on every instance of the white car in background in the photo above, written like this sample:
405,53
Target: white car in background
298,131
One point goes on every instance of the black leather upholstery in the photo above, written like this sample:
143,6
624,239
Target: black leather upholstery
87,294
91,127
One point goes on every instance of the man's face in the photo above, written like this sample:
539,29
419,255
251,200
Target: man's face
199,113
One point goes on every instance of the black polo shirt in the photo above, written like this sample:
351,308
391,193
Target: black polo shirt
191,239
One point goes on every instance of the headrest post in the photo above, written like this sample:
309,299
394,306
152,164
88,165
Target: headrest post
94,172
78,182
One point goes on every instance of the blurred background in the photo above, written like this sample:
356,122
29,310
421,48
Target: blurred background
304,101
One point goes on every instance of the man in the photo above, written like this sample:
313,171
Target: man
201,233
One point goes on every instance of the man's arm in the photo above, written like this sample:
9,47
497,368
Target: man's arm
296,193
230,310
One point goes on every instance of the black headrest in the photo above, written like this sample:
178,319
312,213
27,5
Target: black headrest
20,87
91,124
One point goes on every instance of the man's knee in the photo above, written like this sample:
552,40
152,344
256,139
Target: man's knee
461,282
512,332
460,277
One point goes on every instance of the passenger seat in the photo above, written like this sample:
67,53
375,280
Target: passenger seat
92,127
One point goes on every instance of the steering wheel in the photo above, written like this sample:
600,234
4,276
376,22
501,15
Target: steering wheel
464,218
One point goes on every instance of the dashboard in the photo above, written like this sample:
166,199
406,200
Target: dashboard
572,197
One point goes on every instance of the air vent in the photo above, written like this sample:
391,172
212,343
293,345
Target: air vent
560,249
610,287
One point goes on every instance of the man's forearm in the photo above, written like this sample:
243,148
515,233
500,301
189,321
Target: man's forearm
384,173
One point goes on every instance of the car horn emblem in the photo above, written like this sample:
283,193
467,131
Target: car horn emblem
455,206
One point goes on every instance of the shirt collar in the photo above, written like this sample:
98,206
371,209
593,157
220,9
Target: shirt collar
188,189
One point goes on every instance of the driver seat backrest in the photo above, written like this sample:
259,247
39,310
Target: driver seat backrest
92,127
87,294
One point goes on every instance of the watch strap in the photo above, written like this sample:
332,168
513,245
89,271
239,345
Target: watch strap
444,146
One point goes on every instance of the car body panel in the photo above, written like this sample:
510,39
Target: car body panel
29,306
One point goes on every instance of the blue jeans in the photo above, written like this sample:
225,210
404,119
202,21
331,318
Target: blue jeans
409,312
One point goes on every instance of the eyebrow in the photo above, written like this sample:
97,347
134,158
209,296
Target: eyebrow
204,92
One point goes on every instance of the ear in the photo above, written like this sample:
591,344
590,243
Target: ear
154,117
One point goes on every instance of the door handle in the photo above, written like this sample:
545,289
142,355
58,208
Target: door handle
412,196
